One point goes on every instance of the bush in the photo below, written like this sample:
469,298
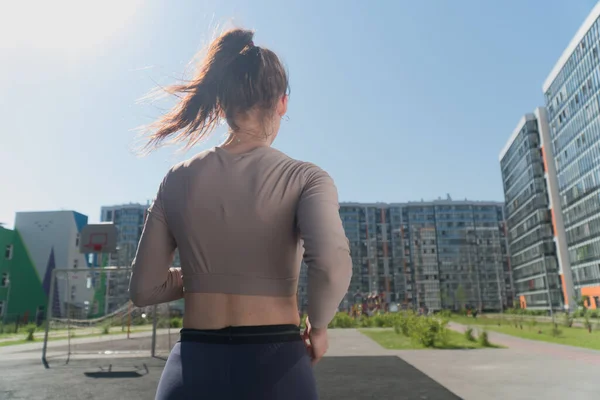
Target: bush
484,340
568,320
594,314
469,334
443,335
138,320
30,329
587,323
405,322
427,331
8,328
303,322
163,323
424,331
365,322
387,320
175,322
342,320
106,329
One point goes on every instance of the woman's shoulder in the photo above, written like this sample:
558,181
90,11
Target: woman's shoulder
306,167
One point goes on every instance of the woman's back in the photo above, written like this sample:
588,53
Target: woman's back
242,216
233,218
238,221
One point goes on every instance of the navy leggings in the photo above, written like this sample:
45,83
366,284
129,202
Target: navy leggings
239,363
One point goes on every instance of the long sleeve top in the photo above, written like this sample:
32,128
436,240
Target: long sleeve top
242,224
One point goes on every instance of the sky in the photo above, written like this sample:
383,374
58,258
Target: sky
397,100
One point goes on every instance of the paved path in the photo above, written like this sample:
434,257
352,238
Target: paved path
526,346
525,370
354,368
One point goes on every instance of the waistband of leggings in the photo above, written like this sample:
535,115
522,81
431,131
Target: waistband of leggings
243,334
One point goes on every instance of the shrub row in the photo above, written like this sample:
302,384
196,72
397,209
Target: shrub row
581,313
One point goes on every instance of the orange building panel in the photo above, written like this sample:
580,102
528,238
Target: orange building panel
591,291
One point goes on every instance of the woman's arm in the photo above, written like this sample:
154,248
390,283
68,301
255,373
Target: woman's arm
152,281
326,248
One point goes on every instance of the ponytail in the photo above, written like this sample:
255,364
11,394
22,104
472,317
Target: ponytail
234,77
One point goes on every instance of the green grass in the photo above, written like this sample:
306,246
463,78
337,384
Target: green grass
578,337
389,339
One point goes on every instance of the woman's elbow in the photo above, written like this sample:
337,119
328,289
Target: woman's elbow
140,299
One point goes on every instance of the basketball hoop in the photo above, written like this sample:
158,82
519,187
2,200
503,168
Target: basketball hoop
98,238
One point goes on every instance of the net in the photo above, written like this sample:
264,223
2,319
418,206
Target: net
89,313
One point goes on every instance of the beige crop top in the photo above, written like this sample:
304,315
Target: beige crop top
240,222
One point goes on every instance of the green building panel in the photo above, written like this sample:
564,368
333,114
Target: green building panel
21,292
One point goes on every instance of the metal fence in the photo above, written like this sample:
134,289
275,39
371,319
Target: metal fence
89,313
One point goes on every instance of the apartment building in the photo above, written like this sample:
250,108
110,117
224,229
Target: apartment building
540,265
572,99
129,220
432,255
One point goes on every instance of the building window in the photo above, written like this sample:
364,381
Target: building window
2,308
75,262
4,281
77,240
8,252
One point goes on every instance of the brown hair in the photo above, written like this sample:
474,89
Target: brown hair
234,77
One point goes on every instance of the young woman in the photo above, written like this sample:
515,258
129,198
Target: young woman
242,216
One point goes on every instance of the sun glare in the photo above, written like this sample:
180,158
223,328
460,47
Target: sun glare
63,24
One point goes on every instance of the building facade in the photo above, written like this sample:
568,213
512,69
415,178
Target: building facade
129,220
22,297
534,216
572,101
432,255
51,239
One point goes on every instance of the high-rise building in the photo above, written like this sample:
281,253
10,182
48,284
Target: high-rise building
572,101
129,220
433,255
539,261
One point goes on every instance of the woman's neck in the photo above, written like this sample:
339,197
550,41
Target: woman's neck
238,143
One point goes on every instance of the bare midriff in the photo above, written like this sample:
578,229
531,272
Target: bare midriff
218,310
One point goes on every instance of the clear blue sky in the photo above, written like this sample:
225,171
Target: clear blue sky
397,100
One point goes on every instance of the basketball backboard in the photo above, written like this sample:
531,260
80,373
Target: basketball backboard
98,238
